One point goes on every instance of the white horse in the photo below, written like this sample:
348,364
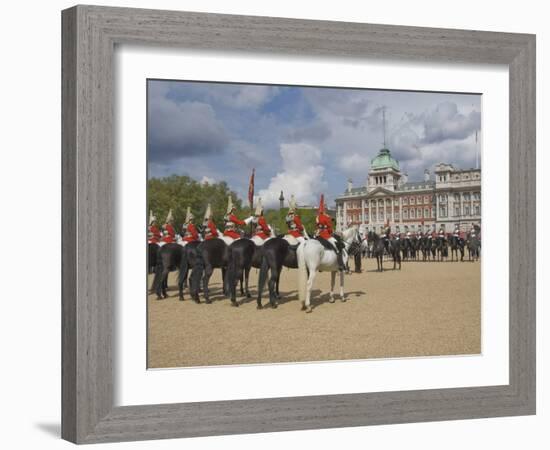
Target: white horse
313,258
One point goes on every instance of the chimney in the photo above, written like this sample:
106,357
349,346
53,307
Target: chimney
350,184
426,175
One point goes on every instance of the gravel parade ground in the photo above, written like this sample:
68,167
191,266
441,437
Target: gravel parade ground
426,309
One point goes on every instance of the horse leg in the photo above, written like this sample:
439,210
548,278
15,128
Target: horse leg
342,295
332,283
272,284
208,270
307,304
277,294
246,277
238,278
226,292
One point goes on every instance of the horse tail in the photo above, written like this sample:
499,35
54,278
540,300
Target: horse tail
157,282
183,269
196,274
302,273
229,282
264,268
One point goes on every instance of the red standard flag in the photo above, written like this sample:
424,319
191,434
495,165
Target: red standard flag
251,191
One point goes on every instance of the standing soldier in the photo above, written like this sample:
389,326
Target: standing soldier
153,233
324,230
190,233
263,231
293,221
168,230
210,230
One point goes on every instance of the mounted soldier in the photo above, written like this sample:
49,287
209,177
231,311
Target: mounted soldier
210,230
153,232
189,230
296,231
325,231
168,230
429,232
473,231
456,232
397,232
441,233
263,232
232,223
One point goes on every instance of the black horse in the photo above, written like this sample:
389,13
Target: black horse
474,246
457,245
441,247
277,253
378,249
243,255
425,244
152,250
169,259
211,254
394,249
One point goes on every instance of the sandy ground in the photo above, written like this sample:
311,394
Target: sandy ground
425,309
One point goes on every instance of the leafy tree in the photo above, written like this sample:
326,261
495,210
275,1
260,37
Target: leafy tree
178,192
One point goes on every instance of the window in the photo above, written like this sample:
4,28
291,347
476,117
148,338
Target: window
457,210
405,201
477,210
476,196
411,201
426,199
412,213
396,214
457,197
419,212
419,199
405,214
466,196
426,213
442,211
466,210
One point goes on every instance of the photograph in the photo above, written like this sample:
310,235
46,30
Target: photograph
311,223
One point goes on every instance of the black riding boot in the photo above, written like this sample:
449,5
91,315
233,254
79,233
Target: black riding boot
340,260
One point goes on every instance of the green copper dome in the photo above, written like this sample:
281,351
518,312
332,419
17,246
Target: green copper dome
384,160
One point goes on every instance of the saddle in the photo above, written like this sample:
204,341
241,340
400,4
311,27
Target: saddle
327,245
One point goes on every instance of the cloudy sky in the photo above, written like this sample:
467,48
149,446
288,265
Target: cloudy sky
303,140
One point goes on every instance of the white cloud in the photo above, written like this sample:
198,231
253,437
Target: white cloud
245,96
302,175
355,163
207,180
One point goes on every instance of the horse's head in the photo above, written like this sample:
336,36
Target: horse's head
351,235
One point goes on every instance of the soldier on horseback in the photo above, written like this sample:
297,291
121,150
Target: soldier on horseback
456,232
153,233
168,230
397,232
293,221
232,222
263,231
325,231
189,230
210,230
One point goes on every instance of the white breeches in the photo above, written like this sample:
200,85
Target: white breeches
294,240
228,240
258,240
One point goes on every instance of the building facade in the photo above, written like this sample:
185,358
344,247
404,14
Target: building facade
452,196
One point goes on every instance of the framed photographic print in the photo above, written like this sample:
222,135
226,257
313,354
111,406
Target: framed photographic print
278,224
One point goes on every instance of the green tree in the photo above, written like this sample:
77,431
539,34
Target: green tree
178,192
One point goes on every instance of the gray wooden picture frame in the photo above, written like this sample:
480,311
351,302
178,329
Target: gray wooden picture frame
90,34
